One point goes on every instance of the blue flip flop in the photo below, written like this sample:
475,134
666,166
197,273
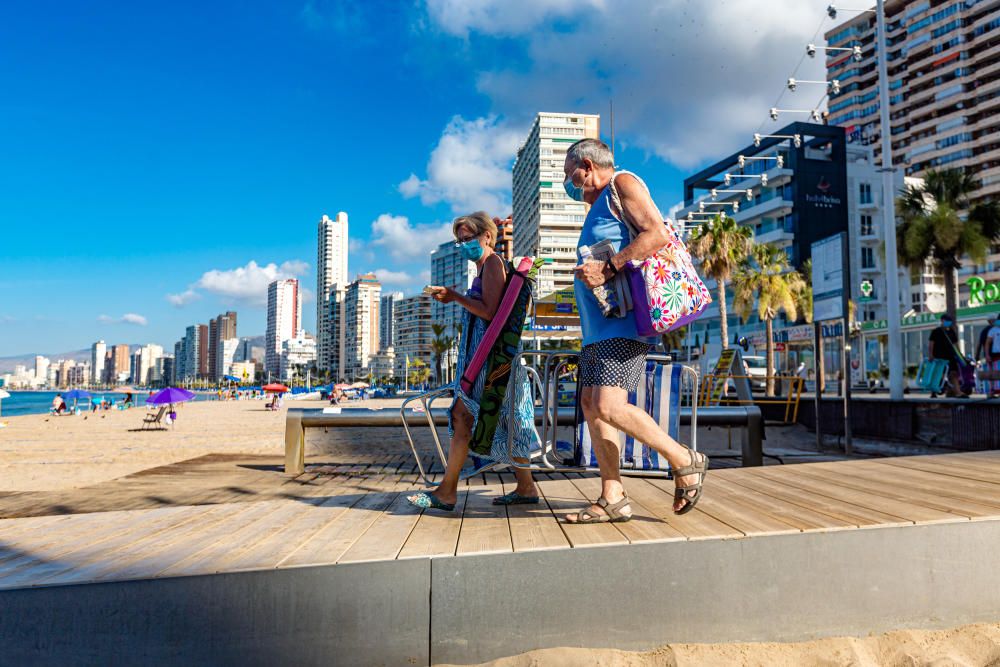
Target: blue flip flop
428,501
515,498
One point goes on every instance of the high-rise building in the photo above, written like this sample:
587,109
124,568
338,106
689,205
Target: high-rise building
97,351
298,355
192,352
331,270
41,369
177,368
449,268
387,320
220,328
203,347
143,364
413,333
505,239
335,350
942,58
225,356
548,221
284,309
825,186
121,367
360,319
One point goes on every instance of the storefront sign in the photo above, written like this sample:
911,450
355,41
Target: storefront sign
867,291
981,292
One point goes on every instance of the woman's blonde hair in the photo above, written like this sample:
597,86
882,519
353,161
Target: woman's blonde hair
480,222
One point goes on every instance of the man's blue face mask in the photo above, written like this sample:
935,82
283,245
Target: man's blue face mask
574,191
471,250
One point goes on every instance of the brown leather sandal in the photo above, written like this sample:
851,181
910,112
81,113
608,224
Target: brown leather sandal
691,493
612,512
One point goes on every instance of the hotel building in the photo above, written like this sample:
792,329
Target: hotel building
331,270
548,222
944,84
284,318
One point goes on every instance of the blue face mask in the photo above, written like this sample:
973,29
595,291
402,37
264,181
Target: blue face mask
574,191
471,250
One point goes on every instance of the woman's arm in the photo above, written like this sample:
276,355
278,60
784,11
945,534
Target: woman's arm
641,213
493,281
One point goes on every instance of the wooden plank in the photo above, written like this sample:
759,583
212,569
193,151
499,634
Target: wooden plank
803,518
484,525
645,526
79,552
436,533
152,560
109,563
733,510
848,512
533,527
871,499
961,489
387,535
11,528
924,492
563,497
660,502
942,464
330,542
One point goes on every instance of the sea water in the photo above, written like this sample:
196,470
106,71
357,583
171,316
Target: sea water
39,402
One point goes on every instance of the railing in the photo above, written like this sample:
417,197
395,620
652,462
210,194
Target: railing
790,400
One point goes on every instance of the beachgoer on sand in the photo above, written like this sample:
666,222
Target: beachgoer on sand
476,236
613,357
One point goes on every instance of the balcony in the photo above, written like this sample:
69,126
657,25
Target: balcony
774,236
772,206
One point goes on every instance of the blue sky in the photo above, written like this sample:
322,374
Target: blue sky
163,161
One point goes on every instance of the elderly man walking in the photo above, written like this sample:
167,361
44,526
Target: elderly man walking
614,354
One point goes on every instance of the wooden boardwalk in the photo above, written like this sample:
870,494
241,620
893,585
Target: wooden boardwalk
357,512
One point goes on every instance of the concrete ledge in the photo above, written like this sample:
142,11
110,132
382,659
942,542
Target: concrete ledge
779,588
356,614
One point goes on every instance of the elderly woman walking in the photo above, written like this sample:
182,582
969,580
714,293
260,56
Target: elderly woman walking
614,354
476,236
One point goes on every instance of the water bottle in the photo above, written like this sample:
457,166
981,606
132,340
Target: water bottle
606,297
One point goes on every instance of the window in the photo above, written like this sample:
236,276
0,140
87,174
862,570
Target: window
867,258
866,225
866,193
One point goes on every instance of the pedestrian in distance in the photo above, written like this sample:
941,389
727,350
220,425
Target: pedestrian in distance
613,358
943,345
993,356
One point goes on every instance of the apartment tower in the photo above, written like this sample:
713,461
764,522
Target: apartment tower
284,317
548,221
331,270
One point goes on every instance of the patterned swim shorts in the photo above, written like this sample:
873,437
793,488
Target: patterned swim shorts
616,362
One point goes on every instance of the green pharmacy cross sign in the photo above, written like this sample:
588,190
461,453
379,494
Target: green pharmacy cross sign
867,289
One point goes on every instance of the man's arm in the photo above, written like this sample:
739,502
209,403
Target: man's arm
641,213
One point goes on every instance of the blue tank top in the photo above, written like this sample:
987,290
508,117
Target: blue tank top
601,224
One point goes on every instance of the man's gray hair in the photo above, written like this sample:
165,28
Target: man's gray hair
594,149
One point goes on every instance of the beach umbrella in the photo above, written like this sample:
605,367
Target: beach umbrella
360,385
170,395
75,395
275,388
3,394
230,378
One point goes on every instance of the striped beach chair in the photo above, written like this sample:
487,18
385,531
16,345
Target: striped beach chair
659,395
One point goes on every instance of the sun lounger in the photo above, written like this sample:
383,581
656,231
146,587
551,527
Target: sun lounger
154,420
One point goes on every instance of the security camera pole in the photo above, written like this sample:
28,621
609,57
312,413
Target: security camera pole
889,213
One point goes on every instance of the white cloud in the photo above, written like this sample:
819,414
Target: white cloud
246,284
691,80
470,167
127,318
406,241
390,277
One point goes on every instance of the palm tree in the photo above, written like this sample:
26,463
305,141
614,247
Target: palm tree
932,227
439,346
767,279
721,245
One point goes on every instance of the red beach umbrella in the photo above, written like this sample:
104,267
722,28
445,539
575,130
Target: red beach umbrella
275,388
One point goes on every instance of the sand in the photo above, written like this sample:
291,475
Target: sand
43,453
46,453
971,645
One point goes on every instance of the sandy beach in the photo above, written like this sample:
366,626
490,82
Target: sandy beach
40,453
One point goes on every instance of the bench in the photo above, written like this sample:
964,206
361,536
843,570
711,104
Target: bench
748,418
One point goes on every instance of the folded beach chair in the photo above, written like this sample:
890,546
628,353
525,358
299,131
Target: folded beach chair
154,420
932,374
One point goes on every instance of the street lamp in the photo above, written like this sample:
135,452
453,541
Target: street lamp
748,193
833,84
832,10
777,158
811,50
796,138
728,178
815,114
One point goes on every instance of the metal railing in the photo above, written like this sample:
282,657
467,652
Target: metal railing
790,400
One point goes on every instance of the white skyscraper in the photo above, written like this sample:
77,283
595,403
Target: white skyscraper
449,268
42,369
331,270
284,309
97,351
362,301
547,222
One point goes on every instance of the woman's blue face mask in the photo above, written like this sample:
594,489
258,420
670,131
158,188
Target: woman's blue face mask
472,250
